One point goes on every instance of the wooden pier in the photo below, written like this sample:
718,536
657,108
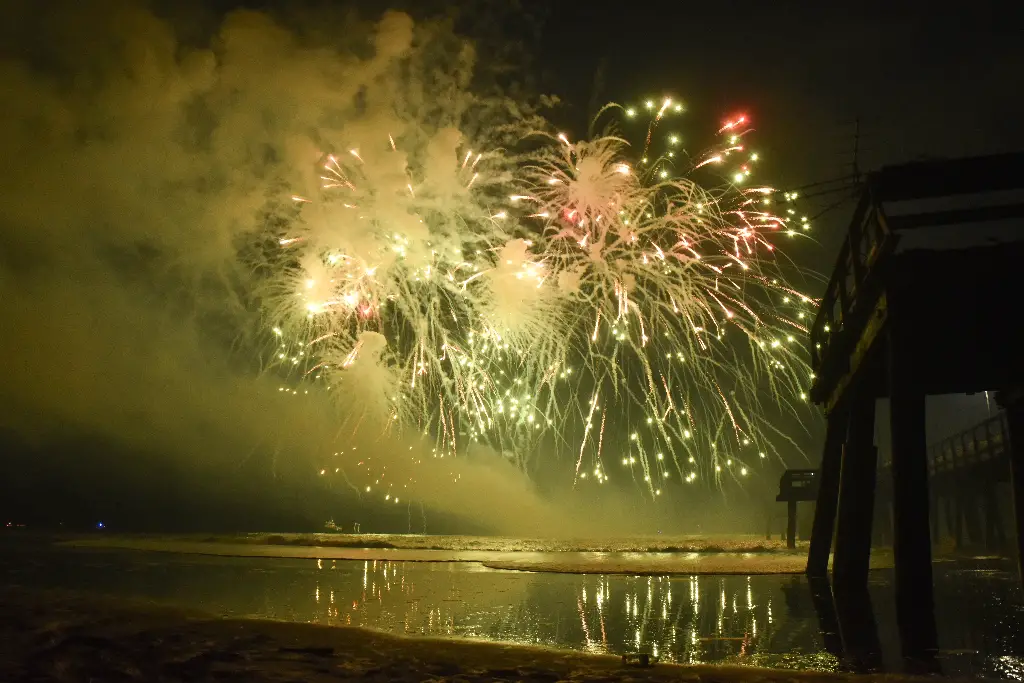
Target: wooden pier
966,472
903,322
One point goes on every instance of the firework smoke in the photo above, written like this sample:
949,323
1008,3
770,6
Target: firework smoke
422,287
664,295
136,272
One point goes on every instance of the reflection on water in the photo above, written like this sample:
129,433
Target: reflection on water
761,620
693,619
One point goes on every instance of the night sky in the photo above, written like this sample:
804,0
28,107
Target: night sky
85,431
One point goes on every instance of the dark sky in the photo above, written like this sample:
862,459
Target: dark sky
926,82
923,82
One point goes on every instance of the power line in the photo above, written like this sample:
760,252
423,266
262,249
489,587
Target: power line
834,190
834,205
823,182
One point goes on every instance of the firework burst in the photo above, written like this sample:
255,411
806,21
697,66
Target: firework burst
674,304
407,296
585,299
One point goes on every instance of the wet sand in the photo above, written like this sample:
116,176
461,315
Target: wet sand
720,543
643,556
61,636
730,543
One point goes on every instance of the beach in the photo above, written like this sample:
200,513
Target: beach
65,636
658,556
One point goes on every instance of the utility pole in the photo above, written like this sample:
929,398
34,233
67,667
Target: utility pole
856,150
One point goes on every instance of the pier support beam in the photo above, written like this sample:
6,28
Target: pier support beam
856,499
912,552
970,501
791,524
828,621
933,515
858,629
1013,402
828,493
995,537
958,522
948,517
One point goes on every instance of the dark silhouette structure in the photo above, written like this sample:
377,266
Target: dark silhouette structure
796,486
923,300
965,474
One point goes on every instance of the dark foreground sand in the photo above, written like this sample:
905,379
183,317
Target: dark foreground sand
60,636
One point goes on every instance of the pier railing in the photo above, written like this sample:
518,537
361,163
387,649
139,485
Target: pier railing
983,442
986,441
854,290
867,239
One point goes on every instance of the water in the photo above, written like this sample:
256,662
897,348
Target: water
758,620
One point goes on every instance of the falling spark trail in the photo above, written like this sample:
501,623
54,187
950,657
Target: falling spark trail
465,297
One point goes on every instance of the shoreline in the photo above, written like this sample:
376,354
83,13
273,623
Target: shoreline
61,635
576,561
712,543
571,562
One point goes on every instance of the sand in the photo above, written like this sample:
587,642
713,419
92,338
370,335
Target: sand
660,564
61,636
733,543
642,556
565,562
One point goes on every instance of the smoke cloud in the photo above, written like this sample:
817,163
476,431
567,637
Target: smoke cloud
135,167
145,161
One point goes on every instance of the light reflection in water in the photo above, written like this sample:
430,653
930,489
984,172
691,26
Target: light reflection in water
1011,667
762,620
592,613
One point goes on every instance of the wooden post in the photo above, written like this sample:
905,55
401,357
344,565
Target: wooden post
938,512
972,516
993,520
958,521
1013,402
933,514
952,521
791,524
828,622
998,526
856,499
828,493
858,629
912,552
